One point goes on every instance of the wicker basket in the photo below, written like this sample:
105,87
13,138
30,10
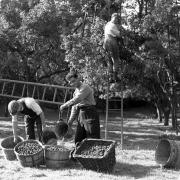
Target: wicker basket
8,145
31,160
56,158
104,162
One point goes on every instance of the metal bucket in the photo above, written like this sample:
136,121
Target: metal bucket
167,153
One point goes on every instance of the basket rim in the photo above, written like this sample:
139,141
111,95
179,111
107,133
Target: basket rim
9,137
46,146
30,140
92,157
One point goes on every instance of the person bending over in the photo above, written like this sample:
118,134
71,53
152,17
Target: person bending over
33,114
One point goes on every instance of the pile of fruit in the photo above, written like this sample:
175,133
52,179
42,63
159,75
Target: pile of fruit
95,151
29,148
56,148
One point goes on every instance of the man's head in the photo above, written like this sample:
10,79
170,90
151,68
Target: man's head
73,79
115,18
13,107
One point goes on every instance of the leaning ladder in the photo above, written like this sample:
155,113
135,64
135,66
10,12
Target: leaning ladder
45,93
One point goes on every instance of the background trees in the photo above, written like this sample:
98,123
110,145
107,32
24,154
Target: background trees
41,40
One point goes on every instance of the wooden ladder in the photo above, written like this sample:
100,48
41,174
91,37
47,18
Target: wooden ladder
45,93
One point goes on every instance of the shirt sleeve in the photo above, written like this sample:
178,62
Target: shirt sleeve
32,104
115,30
112,29
74,113
78,97
14,118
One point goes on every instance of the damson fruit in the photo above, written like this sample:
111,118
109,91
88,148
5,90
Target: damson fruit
56,148
29,148
95,151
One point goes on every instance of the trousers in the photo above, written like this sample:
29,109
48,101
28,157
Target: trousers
30,123
88,125
111,45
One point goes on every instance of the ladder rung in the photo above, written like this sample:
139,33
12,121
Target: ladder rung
24,86
54,97
44,92
66,92
14,85
34,89
4,84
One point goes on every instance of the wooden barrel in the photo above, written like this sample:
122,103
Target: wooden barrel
167,153
56,156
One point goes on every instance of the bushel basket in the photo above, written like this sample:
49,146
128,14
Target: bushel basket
167,153
56,156
96,154
8,145
30,153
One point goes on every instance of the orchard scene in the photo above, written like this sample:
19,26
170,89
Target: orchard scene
42,40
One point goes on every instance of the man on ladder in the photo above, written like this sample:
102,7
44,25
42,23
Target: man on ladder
112,42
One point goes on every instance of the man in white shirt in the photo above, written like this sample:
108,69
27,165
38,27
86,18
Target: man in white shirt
33,114
111,44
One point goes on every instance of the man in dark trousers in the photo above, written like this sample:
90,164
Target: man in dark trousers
33,114
111,45
83,109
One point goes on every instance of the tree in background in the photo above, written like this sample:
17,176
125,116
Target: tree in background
41,40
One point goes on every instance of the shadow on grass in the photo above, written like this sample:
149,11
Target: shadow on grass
132,170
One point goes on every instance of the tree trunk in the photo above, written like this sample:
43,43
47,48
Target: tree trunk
173,112
166,112
158,112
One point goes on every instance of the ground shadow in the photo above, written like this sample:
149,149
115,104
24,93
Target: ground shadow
132,170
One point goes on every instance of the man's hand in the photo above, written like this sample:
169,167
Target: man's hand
70,123
15,139
44,127
62,107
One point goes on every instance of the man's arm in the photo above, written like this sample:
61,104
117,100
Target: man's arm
78,98
42,120
15,127
73,115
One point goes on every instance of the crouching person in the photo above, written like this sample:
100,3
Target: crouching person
33,115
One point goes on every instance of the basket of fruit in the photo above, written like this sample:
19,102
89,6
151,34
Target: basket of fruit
8,145
56,156
30,153
96,154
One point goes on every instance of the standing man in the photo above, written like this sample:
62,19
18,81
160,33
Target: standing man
83,108
33,114
111,45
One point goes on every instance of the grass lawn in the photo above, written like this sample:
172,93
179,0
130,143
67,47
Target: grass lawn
135,161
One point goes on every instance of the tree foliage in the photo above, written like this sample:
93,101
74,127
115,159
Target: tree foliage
41,40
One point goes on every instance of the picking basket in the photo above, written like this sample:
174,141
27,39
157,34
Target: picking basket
8,145
96,154
30,153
